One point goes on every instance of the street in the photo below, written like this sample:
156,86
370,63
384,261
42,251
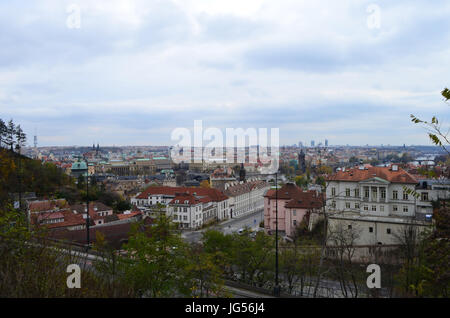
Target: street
230,226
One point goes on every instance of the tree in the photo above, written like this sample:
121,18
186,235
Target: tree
342,240
301,181
33,266
204,275
3,131
10,134
21,137
156,260
436,133
205,184
220,246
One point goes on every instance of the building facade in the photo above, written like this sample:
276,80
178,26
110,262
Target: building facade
376,203
246,197
161,199
290,206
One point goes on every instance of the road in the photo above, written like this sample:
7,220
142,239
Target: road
230,226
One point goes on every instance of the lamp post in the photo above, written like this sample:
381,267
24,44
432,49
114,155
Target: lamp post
87,205
276,289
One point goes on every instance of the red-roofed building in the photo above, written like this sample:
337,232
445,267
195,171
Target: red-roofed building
375,202
213,204
294,205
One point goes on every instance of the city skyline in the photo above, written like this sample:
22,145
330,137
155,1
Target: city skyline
131,72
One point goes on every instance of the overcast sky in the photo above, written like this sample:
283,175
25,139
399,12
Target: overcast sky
348,71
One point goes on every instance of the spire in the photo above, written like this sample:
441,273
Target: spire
242,173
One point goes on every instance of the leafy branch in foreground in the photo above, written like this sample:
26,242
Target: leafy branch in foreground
436,133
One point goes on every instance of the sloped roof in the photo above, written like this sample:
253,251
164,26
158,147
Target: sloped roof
214,194
297,197
47,205
356,174
245,187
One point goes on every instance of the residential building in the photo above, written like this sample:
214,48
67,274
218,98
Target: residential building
374,202
246,196
294,206
161,199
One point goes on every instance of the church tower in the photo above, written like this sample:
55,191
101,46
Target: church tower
242,173
302,162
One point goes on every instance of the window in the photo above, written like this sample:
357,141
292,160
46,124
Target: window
185,218
370,229
395,194
374,207
333,204
366,208
388,231
383,193
349,227
366,192
405,208
405,195
347,192
294,213
347,205
333,191
374,193
382,208
395,208
175,217
356,205
424,196
356,193
295,222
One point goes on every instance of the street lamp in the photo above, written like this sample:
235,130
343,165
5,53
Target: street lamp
87,205
276,289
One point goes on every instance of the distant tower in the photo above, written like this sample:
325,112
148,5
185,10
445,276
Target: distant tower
35,141
242,173
326,142
301,162
312,143
98,148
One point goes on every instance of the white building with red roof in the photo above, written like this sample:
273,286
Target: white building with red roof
191,207
374,202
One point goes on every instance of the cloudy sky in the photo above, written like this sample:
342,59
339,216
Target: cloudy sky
351,71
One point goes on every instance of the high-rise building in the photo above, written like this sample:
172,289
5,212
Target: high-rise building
312,143
300,144
326,142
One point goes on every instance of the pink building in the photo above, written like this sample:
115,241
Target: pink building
294,205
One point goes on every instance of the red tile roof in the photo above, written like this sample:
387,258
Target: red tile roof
214,194
70,219
184,198
386,173
297,197
245,187
129,215
47,205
